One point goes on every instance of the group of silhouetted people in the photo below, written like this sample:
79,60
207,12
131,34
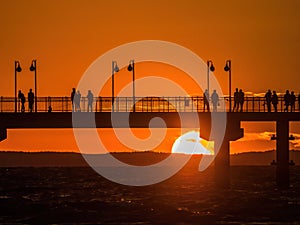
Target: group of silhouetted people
30,98
214,99
288,98
238,99
76,97
239,96
271,98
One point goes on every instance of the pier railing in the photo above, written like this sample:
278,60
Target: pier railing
143,104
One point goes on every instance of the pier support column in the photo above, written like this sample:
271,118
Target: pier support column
222,165
222,159
282,154
3,133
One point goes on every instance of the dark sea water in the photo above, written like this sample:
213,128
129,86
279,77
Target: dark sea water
80,196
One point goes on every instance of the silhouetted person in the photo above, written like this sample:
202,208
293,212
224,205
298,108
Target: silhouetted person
236,100
292,101
215,100
241,99
90,98
21,96
274,100
286,99
206,100
77,98
268,97
30,100
49,109
72,98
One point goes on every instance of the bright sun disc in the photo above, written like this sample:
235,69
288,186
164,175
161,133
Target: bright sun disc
191,143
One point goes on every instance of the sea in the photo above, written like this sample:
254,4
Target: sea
78,195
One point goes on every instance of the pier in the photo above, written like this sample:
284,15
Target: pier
169,109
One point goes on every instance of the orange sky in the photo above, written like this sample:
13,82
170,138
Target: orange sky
262,38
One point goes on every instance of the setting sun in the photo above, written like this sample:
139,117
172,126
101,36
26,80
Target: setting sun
191,143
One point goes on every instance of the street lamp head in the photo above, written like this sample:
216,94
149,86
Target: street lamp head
210,65
129,68
226,68
116,68
18,68
32,67
131,65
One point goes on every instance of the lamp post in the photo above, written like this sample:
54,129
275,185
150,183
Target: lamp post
115,68
210,67
131,68
227,68
18,69
33,68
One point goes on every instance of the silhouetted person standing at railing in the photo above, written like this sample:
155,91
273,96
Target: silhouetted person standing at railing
241,99
73,93
30,100
292,101
206,100
77,98
21,96
236,100
90,98
287,99
268,98
215,100
274,100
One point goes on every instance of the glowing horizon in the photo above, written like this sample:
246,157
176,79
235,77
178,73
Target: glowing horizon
260,38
